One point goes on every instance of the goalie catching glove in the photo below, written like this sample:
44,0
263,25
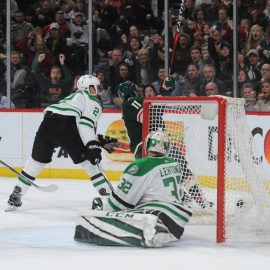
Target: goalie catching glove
93,152
108,143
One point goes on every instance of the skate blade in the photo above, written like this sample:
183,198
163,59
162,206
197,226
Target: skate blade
11,208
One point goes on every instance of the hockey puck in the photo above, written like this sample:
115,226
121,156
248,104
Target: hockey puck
240,203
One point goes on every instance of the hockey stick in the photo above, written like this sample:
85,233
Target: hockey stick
178,29
49,188
103,173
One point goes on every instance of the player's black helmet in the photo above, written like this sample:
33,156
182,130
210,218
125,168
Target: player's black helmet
126,90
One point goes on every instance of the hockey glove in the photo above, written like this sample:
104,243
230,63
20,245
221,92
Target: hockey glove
93,152
108,143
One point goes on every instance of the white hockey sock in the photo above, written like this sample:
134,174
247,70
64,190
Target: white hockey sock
30,171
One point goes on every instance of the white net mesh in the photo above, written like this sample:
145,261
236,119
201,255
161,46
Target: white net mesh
193,129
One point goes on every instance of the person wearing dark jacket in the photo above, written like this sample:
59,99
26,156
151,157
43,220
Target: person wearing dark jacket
193,80
209,73
54,88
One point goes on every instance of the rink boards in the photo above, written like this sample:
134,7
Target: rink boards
18,129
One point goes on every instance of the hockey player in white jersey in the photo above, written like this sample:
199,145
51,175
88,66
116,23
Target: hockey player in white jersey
145,209
70,124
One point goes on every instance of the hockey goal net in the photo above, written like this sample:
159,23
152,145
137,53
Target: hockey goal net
210,137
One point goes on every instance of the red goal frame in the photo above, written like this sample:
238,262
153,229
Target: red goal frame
220,232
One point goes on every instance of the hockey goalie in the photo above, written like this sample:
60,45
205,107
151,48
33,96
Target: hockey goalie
147,208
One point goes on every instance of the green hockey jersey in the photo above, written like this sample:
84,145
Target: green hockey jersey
132,110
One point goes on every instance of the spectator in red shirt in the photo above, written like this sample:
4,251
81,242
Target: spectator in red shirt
63,26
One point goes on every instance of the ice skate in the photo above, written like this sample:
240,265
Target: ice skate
14,200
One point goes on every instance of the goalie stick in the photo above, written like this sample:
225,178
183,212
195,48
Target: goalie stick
49,188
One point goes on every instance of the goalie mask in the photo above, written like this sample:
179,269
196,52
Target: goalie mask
85,81
158,142
127,90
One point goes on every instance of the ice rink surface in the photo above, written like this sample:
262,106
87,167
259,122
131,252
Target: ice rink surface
40,236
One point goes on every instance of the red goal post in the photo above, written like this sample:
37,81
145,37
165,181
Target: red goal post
211,133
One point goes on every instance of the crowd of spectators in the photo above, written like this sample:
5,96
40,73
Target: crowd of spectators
49,49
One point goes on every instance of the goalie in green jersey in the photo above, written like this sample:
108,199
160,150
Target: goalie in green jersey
132,111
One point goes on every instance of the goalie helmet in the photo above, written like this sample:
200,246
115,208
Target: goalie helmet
158,142
127,90
85,81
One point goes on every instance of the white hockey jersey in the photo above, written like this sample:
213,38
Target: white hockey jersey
151,183
85,107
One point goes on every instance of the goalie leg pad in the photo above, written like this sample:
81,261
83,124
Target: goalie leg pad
161,239
116,229
171,216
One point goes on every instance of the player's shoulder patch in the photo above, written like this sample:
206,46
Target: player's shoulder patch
140,167
133,169
136,168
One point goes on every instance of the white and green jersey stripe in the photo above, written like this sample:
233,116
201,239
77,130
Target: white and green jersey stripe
173,216
85,107
154,183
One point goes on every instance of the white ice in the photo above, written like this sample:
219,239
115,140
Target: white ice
40,236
